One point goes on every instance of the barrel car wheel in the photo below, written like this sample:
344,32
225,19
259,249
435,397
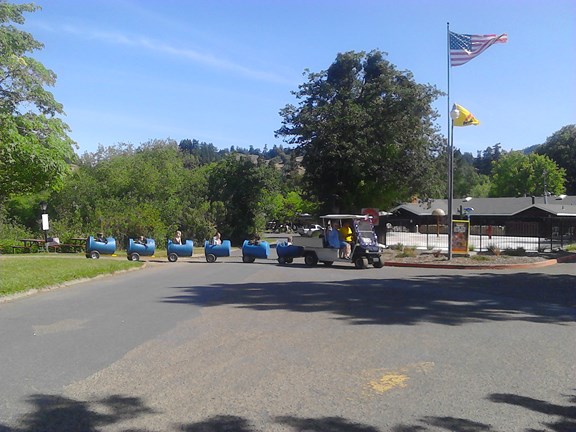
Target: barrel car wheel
172,257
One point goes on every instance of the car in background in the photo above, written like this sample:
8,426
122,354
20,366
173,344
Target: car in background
309,230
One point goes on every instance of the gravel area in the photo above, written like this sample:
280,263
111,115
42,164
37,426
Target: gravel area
475,259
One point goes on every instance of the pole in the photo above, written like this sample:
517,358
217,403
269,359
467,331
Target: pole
450,149
450,188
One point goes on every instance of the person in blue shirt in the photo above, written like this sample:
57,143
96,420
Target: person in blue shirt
335,242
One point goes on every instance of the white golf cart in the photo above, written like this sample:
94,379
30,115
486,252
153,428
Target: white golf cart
365,249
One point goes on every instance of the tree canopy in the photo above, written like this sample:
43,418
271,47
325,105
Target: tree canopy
561,147
516,174
366,133
35,149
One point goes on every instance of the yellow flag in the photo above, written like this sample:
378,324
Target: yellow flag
462,117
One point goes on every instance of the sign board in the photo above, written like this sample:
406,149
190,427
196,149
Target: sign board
460,236
45,225
374,213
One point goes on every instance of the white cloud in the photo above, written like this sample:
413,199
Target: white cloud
202,58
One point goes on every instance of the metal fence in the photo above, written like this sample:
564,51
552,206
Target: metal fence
535,236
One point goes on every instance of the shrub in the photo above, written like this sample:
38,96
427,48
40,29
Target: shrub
10,233
407,252
519,251
494,250
480,258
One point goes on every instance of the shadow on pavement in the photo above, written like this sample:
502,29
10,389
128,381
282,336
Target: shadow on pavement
52,413
449,300
561,418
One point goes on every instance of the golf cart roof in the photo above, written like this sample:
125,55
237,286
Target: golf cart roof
343,216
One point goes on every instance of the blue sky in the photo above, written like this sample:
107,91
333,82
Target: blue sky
219,71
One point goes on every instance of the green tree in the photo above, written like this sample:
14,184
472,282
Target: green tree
366,132
246,189
483,161
35,149
517,174
561,148
467,180
126,191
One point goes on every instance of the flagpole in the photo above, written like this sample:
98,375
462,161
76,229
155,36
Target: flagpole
450,150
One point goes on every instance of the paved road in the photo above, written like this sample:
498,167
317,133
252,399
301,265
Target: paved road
198,347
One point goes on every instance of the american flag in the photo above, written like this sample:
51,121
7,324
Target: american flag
464,47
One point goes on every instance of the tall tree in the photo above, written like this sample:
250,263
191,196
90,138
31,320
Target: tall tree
484,160
467,180
366,132
561,147
126,191
517,174
35,149
245,187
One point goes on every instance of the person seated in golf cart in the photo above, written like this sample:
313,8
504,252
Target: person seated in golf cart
334,240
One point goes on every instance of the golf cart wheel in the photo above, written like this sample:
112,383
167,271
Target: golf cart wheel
328,263
361,263
172,257
377,262
134,257
248,259
310,259
281,260
94,254
210,258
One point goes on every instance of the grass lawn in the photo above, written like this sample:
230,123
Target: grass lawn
22,273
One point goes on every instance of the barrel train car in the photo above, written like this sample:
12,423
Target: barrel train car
135,250
95,248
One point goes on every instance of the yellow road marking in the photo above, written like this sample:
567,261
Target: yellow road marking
387,379
388,382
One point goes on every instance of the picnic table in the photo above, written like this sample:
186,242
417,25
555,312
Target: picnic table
76,244
28,245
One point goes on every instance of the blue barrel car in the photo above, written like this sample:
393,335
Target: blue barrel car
174,250
251,250
213,251
135,250
96,248
287,252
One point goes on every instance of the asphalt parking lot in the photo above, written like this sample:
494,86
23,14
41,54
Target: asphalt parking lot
260,347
